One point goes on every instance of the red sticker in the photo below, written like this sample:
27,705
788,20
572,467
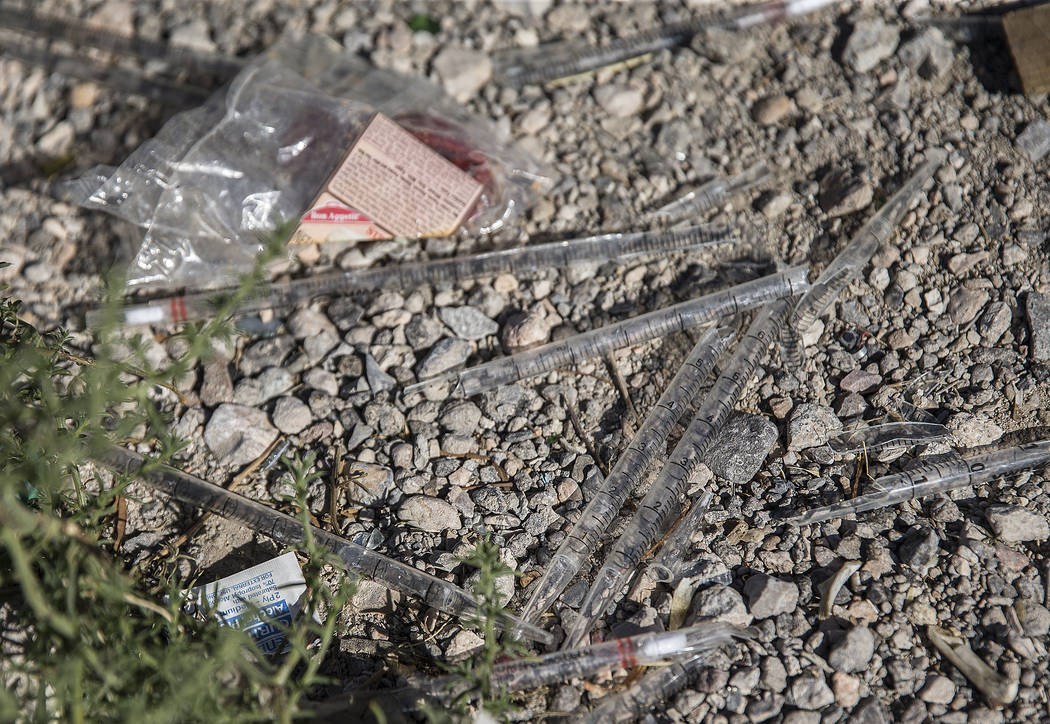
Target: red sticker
335,214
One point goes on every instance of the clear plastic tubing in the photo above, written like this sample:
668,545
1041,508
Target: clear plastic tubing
633,331
624,653
890,434
664,501
556,255
933,478
285,529
645,695
709,195
851,261
649,442
673,551
554,61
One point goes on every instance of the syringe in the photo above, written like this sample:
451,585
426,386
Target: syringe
649,442
935,477
890,434
557,255
664,500
674,551
654,687
627,333
285,529
623,653
561,60
851,261
709,195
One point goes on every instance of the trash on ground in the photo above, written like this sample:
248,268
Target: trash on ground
258,154
262,600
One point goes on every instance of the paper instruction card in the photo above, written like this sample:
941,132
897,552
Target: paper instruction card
256,599
389,184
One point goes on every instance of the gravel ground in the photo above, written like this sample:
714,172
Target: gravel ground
953,317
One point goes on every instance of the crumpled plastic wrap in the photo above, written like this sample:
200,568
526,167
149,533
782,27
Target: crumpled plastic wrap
211,184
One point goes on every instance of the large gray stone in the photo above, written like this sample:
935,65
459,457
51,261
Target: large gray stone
739,449
237,434
1038,308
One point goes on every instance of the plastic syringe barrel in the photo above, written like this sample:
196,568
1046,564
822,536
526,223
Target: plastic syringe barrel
935,477
664,500
627,333
625,653
649,441
646,694
851,261
708,195
555,255
285,529
561,60
673,551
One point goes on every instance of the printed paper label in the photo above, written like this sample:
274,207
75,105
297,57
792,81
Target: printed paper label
273,588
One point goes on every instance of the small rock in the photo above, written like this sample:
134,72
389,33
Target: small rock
430,514
525,330
841,193
467,322
772,109
928,54
195,35
995,321
768,596
216,386
962,263
1034,142
237,435
811,425
309,322
378,380
385,418
920,550
859,381
462,72
463,643
1034,617
1038,308
846,689
569,18
273,381
774,203
322,380
1014,523
966,303
871,42
291,415
58,140
443,356
83,95
810,692
870,712
973,429
619,100
721,603
368,483
854,651
740,447
461,417
937,690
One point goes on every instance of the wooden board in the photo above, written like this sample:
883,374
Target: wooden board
1028,33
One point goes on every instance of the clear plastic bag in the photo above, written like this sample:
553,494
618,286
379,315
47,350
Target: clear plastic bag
216,178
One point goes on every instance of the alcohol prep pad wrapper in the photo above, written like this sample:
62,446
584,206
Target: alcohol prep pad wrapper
260,600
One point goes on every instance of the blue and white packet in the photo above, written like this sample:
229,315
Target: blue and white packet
256,600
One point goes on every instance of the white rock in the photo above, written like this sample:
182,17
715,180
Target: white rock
619,100
462,72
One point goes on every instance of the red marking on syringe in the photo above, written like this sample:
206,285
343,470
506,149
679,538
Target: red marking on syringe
625,649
